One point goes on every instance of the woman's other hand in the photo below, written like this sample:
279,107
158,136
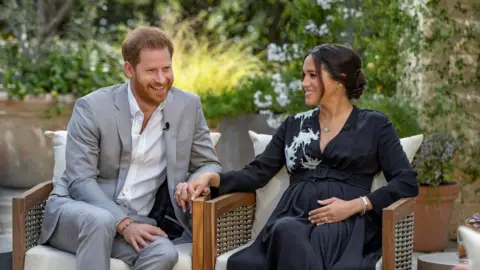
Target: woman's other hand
334,210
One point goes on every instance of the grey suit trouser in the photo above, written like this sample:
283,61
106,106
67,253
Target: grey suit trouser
89,232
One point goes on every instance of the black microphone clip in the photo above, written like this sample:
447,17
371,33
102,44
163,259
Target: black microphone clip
167,126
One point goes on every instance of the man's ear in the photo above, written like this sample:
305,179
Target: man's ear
129,69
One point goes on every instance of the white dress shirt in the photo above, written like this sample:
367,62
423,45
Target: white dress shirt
148,163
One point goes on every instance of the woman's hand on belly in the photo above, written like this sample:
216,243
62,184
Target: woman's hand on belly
335,210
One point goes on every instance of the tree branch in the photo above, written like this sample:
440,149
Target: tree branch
55,22
41,21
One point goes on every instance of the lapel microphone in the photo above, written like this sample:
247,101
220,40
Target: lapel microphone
167,126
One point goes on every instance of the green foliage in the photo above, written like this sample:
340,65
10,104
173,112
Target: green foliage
379,30
67,67
234,101
451,101
401,113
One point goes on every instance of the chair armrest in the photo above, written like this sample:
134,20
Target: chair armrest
27,218
228,222
198,232
397,235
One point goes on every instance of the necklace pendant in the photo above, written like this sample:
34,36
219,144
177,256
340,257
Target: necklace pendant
325,130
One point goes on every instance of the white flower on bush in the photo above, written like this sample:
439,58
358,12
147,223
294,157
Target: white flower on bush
326,4
283,100
277,77
260,104
105,68
274,121
283,53
311,27
282,90
323,30
351,12
412,7
275,53
295,85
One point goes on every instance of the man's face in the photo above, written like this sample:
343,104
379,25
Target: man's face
152,78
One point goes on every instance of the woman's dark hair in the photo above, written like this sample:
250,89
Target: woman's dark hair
338,59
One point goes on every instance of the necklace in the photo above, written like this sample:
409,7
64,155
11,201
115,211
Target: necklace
325,129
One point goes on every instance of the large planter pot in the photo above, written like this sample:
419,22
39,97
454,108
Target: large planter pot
26,156
433,211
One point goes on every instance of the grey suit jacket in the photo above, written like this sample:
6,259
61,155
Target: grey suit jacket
99,146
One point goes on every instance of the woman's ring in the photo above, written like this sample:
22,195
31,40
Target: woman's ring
326,220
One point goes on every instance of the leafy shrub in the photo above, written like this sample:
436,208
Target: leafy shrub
404,116
67,67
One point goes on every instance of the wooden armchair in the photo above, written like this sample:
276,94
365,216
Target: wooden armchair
28,210
228,221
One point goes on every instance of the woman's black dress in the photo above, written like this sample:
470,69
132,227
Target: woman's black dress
367,144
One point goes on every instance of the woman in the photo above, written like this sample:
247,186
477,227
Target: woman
327,218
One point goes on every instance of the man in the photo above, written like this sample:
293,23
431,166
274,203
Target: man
128,147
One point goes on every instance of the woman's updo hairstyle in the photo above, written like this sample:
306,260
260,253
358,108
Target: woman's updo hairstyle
343,64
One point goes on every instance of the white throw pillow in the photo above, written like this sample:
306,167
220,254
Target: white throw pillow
267,197
410,147
59,139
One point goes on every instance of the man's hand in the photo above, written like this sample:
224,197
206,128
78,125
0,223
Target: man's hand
333,210
183,196
138,235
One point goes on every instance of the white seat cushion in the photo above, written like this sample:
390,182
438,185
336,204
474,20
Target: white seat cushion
48,258
221,263
267,197
44,257
184,257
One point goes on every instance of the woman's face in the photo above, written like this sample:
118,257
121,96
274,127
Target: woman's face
314,91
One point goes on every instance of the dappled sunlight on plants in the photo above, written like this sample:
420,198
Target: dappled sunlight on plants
202,65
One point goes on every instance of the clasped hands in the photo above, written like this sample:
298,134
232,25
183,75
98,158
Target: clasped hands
185,193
